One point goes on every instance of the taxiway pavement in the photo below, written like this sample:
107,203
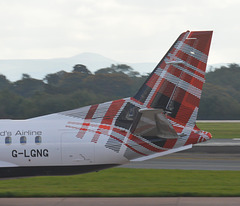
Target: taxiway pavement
216,154
163,201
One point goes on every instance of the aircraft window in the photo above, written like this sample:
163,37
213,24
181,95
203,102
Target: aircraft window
23,140
8,140
38,139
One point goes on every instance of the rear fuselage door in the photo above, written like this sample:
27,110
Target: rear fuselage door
76,151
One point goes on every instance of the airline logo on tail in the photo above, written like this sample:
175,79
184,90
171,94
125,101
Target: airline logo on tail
162,115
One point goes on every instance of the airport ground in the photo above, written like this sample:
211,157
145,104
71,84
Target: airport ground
163,201
221,154
216,154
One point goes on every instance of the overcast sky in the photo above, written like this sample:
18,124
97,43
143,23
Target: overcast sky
124,30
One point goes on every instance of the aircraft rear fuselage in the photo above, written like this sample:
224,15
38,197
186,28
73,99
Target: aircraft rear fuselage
160,119
36,147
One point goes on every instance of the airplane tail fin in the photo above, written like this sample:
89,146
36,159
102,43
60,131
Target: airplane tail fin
176,83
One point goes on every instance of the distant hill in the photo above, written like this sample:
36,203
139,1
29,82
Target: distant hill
38,68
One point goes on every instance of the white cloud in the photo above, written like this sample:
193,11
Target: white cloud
126,30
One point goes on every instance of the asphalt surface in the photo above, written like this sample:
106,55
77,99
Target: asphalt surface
190,161
163,201
219,154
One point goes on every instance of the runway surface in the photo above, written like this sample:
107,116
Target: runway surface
163,201
191,161
217,154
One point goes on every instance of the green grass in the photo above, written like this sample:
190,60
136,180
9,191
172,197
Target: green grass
121,182
221,130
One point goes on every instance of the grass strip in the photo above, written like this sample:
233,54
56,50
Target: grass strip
219,130
123,182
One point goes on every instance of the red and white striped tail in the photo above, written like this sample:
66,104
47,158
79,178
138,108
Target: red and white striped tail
162,115
176,83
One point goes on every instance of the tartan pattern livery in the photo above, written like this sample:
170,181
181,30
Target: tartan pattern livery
174,87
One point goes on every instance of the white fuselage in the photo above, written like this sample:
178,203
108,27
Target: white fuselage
42,143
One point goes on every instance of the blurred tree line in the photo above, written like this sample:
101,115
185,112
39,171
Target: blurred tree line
60,91
221,94
63,90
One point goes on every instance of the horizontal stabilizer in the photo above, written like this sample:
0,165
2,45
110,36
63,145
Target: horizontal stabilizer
159,154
